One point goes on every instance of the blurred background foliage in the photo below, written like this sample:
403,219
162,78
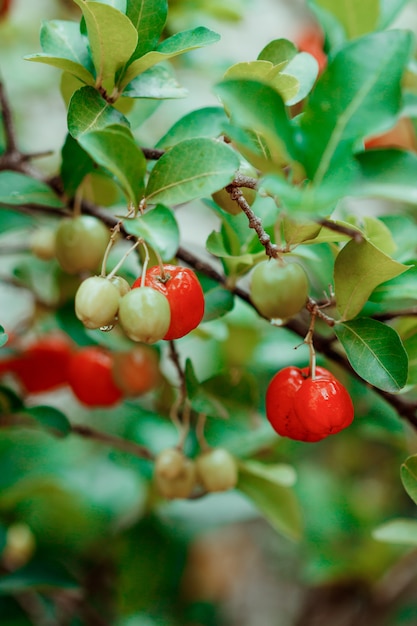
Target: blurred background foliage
83,539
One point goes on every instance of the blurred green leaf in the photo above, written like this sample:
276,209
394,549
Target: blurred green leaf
39,576
356,16
76,164
169,48
112,38
159,229
267,487
388,174
258,107
353,108
401,531
375,352
50,418
201,400
10,402
191,169
264,71
389,11
359,268
157,82
409,476
17,189
278,51
218,302
399,291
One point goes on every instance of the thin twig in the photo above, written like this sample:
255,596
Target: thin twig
353,233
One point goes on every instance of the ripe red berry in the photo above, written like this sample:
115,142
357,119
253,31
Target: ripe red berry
43,365
137,371
181,287
90,377
307,409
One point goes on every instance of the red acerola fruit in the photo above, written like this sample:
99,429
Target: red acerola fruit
307,409
43,365
182,288
90,377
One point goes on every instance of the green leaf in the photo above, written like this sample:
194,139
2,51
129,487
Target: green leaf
157,82
359,268
14,220
36,576
207,122
340,112
76,164
193,168
50,418
159,229
356,16
169,48
398,291
115,150
388,174
202,401
148,17
410,345
401,531
218,302
4,337
389,11
258,107
375,352
409,476
264,71
304,68
88,112
17,189
278,51
267,487
112,38
66,48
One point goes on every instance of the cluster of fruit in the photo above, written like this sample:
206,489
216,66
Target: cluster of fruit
177,476
97,377
166,303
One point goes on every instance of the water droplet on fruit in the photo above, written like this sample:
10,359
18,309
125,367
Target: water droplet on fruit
277,321
107,329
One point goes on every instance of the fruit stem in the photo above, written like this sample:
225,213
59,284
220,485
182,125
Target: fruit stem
199,431
115,231
145,264
309,341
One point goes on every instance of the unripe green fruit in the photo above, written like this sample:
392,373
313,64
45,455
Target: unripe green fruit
175,474
42,243
121,284
144,314
81,243
97,302
216,470
279,290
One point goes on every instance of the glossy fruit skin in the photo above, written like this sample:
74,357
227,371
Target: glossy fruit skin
90,377
175,474
97,302
136,372
144,315
43,365
184,294
216,470
307,409
81,243
279,290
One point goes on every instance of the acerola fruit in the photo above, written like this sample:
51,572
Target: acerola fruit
97,302
307,409
216,470
42,243
175,474
43,365
136,372
278,289
90,377
144,314
81,243
183,291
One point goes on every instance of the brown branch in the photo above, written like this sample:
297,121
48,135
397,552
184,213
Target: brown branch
354,234
8,125
254,222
